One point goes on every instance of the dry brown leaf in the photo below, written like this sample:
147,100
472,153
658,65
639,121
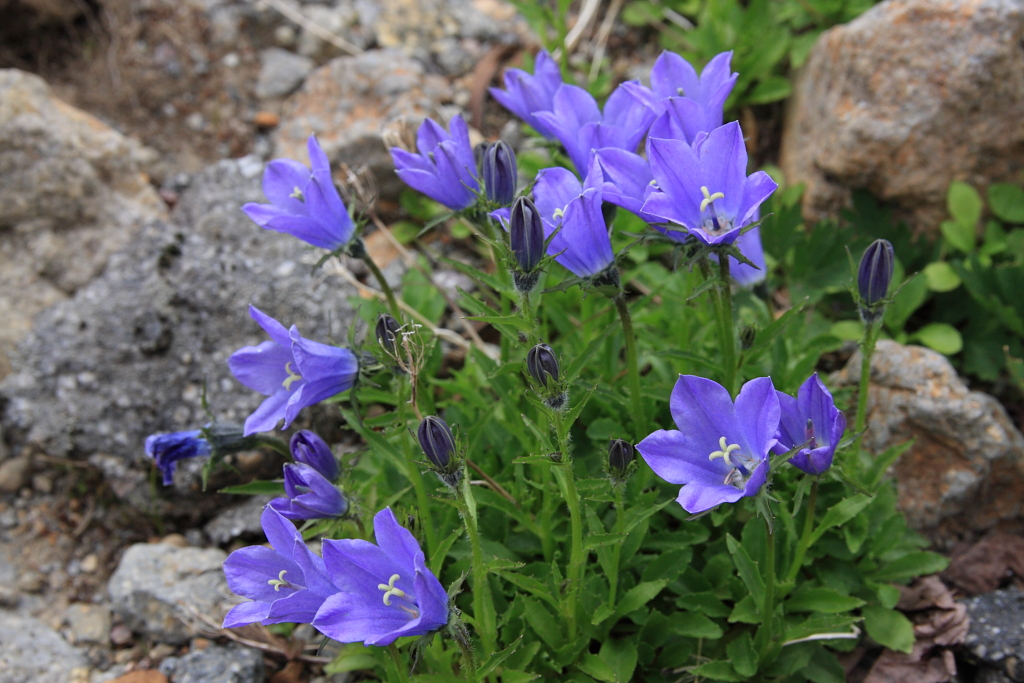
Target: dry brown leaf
147,676
987,564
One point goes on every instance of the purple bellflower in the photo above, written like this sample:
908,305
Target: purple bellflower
813,421
686,104
705,188
445,168
581,127
386,590
526,93
303,202
720,453
310,449
293,372
286,583
309,495
167,449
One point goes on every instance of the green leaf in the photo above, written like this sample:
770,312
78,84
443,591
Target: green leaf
746,611
596,668
620,656
495,660
824,668
1006,202
825,600
639,595
964,204
694,625
742,655
960,237
942,337
770,89
941,277
905,302
917,563
543,623
441,552
599,540
840,513
602,613
818,624
605,428
747,569
257,488
531,585
848,330
352,657
719,671
889,628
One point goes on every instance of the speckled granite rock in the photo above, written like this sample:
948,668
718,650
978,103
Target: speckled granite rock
964,473
216,664
30,652
908,97
996,638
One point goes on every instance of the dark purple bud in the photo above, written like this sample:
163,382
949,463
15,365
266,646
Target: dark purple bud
875,272
167,449
310,449
542,364
500,173
437,442
387,332
526,233
620,455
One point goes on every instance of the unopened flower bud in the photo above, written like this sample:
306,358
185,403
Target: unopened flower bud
387,332
310,449
542,365
437,442
875,272
526,234
500,173
620,456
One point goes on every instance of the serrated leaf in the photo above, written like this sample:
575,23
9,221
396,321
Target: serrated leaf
747,569
620,656
917,563
694,625
543,623
495,660
746,611
601,613
596,668
719,671
638,596
824,600
889,628
742,655
840,513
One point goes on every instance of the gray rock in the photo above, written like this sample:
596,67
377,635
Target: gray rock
129,354
90,624
908,97
14,473
414,25
349,101
988,675
996,637
281,72
216,664
964,473
341,19
158,589
30,652
237,521
72,194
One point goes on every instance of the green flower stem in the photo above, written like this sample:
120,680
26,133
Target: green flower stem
632,367
567,486
726,333
483,603
620,527
527,313
396,658
384,286
805,537
414,475
766,634
867,349
274,444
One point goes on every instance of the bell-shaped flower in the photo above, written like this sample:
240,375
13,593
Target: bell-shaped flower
303,202
720,452
285,583
579,124
293,372
308,448
167,449
705,188
309,495
526,93
445,168
386,590
811,421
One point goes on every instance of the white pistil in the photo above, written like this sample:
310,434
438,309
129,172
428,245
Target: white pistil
292,376
725,451
297,194
709,198
279,581
558,214
390,589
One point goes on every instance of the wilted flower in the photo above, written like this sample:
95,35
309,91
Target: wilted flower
720,453
527,93
500,173
620,457
874,276
310,449
579,124
445,168
309,495
387,332
810,420
385,591
292,371
287,583
303,202
705,188
167,449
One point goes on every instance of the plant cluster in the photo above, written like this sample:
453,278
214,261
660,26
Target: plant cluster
517,535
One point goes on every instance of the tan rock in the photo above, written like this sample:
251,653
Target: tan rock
72,193
965,471
903,100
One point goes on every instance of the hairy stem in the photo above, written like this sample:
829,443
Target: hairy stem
415,477
396,311
632,368
483,603
867,349
726,333
766,634
396,658
805,537
567,485
620,525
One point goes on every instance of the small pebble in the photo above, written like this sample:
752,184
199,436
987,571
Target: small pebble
266,119
90,563
30,582
42,483
121,635
9,597
177,540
